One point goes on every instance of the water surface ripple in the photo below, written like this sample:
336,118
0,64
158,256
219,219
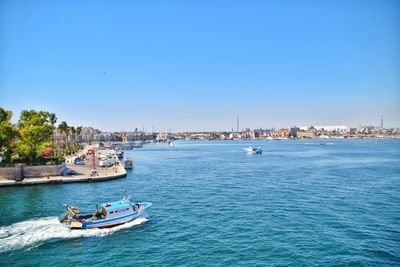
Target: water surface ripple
299,203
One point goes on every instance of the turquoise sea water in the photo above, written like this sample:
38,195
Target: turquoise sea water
300,203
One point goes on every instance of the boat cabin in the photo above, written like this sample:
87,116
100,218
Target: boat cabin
117,209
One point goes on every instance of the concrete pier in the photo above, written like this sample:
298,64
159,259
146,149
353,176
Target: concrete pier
82,173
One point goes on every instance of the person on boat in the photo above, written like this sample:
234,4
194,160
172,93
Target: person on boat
77,218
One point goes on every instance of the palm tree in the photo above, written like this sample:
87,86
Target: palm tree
79,131
53,120
63,128
67,133
73,132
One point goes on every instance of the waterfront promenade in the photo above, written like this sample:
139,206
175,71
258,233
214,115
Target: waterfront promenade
82,173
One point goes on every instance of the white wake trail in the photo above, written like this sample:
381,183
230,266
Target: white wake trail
34,232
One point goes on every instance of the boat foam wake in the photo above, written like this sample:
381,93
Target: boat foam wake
33,233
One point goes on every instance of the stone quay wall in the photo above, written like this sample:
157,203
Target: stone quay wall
20,172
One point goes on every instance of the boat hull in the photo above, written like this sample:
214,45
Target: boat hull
108,223
86,223
252,150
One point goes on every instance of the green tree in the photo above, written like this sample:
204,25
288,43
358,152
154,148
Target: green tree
53,120
73,133
7,134
67,134
62,128
34,129
78,132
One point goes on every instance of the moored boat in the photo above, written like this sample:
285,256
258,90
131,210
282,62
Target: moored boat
128,163
253,150
137,145
109,215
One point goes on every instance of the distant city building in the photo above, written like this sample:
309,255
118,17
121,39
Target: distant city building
327,128
305,134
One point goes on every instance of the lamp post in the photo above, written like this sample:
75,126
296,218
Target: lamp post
94,160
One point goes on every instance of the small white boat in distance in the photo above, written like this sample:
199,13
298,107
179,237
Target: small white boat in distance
111,214
128,163
253,150
171,144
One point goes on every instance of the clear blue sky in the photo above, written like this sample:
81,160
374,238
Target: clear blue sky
196,65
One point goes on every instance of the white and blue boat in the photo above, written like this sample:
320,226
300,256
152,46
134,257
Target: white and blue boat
109,215
253,150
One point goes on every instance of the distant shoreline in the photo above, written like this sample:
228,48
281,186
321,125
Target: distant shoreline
280,139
